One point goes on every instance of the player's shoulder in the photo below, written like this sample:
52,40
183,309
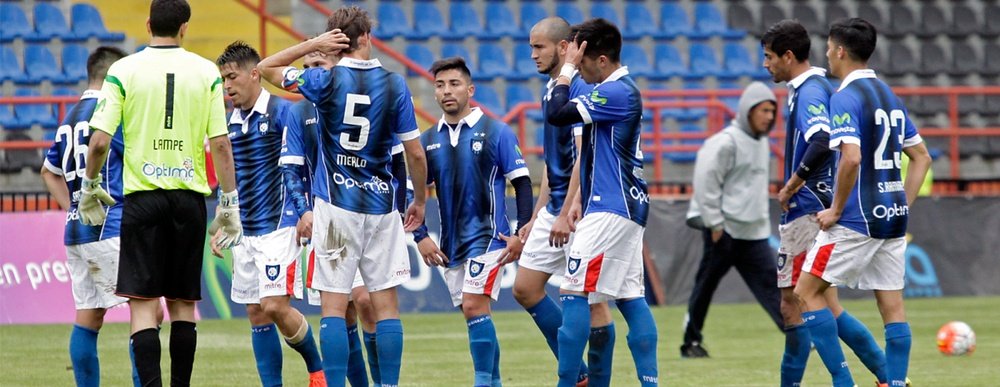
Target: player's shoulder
816,86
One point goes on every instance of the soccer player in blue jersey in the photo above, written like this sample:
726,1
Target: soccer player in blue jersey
362,107
469,157
266,269
809,167
91,251
605,260
547,234
861,244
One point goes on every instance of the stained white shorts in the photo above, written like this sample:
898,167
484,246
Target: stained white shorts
537,254
267,266
479,275
606,258
312,295
796,239
93,268
845,257
346,242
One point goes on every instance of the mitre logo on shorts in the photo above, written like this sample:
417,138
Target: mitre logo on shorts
272,271
573,265
475,268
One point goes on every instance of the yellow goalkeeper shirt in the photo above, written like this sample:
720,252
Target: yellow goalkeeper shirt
168,100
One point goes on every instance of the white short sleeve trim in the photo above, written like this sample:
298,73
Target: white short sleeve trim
584,113
396,149
912,141
52,168
835,142
516,173
407,136
578,130
816,128
292,160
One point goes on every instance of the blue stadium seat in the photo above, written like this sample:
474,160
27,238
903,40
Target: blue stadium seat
668,61
15,23
686,157
570,12
703,62
87,23
40,65
520,93
634,56
732,102
638,22
665,113
709,22
29,114
464,22
674,21
531,13
499,21
427,22
421,55
392,21
493,62
524,66
8,121
606,11
487,96
736,62
449,50
50,23
74,60
64,92
694,113
10,66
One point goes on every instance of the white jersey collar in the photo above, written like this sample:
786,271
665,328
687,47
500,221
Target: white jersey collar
90,93
855,75
470,120
799,80
260,107
359,64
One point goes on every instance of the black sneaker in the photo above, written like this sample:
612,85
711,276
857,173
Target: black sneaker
693,350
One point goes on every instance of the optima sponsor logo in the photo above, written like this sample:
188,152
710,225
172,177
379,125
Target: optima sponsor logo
184,172
374,185
887,213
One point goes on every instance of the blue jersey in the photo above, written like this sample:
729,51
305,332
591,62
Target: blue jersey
809,96
362,107
865,112
468,165
611,160
256,138
67,158
559,157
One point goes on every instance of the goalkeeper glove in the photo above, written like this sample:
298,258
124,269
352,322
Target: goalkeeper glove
227,221
92,195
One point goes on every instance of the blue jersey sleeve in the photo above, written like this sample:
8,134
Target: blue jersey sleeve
845,113
406,121
606,103
811,114
53,159
579,88
315,83
509,156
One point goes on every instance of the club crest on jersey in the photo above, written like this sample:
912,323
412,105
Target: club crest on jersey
781,260
475,268
272,271
477,145
573,265
262,128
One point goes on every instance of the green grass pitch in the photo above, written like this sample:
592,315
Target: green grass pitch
746,350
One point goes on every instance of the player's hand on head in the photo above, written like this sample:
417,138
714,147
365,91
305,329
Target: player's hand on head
227,221
92,197
513,250
561,229
303,228
332,42
432,255
414,217
574,53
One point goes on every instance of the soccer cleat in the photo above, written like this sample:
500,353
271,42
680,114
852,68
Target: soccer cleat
877,384
317,379
693,350
584,380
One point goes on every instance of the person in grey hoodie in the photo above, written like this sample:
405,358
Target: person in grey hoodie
730,206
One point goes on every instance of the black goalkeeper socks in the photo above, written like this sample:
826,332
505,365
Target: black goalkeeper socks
183,340
146,346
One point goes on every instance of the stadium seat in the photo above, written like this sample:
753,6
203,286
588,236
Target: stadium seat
499,21
903,61
635,58
807,16
991,27
487,97
531,13
449,50
703,62
665,112
932,60
10,66
570,12
87,22
991,54
517,94
902,22
694,113
875,62
834,11
8,121
74,61
674,21
732,102
392,21
421,55
964,21
738,16
873,15
427,22
737,62
31,114
932,21
15,160
708,22
770,14
464,21
686,157
40,65
668,62
524,66
606,11
638,22
493,62
63,92
15,23
50,23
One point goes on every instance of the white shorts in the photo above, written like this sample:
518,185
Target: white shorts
93,268
312,295
606,258
267,266
796,239
845,257
537,254
373,244
479,275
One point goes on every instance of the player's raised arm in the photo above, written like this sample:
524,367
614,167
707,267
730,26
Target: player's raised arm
274,68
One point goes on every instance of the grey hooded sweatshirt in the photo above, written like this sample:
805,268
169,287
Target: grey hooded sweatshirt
731,175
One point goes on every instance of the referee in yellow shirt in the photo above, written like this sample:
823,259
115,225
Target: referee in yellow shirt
167,101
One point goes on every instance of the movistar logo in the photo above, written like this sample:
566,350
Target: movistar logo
817,109
844,118
594,97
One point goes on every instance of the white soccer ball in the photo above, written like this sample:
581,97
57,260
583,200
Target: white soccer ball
956,338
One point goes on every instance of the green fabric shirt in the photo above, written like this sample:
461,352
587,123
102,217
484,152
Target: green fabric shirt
168,101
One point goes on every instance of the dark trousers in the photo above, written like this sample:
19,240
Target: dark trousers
755,261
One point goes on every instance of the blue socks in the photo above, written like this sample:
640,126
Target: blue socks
307,348
371,350
333,344
135,371
823,330
497,381
483,345
267,352
793,363
83,354
897,352
573,336
642,338
600,355
860,340
548,317
357,375
389,339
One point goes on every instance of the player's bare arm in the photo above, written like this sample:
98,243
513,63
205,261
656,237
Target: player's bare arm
100,143
416,161
793,185
57,188
222,156
920,163
847,176
431,253
329,43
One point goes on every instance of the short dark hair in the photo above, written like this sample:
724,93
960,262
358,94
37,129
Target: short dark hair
857,35
239,53
167,16
787,35
602,38
453,63
353,21
100,60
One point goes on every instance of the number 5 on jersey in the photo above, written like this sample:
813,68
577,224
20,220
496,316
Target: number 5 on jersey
350,118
